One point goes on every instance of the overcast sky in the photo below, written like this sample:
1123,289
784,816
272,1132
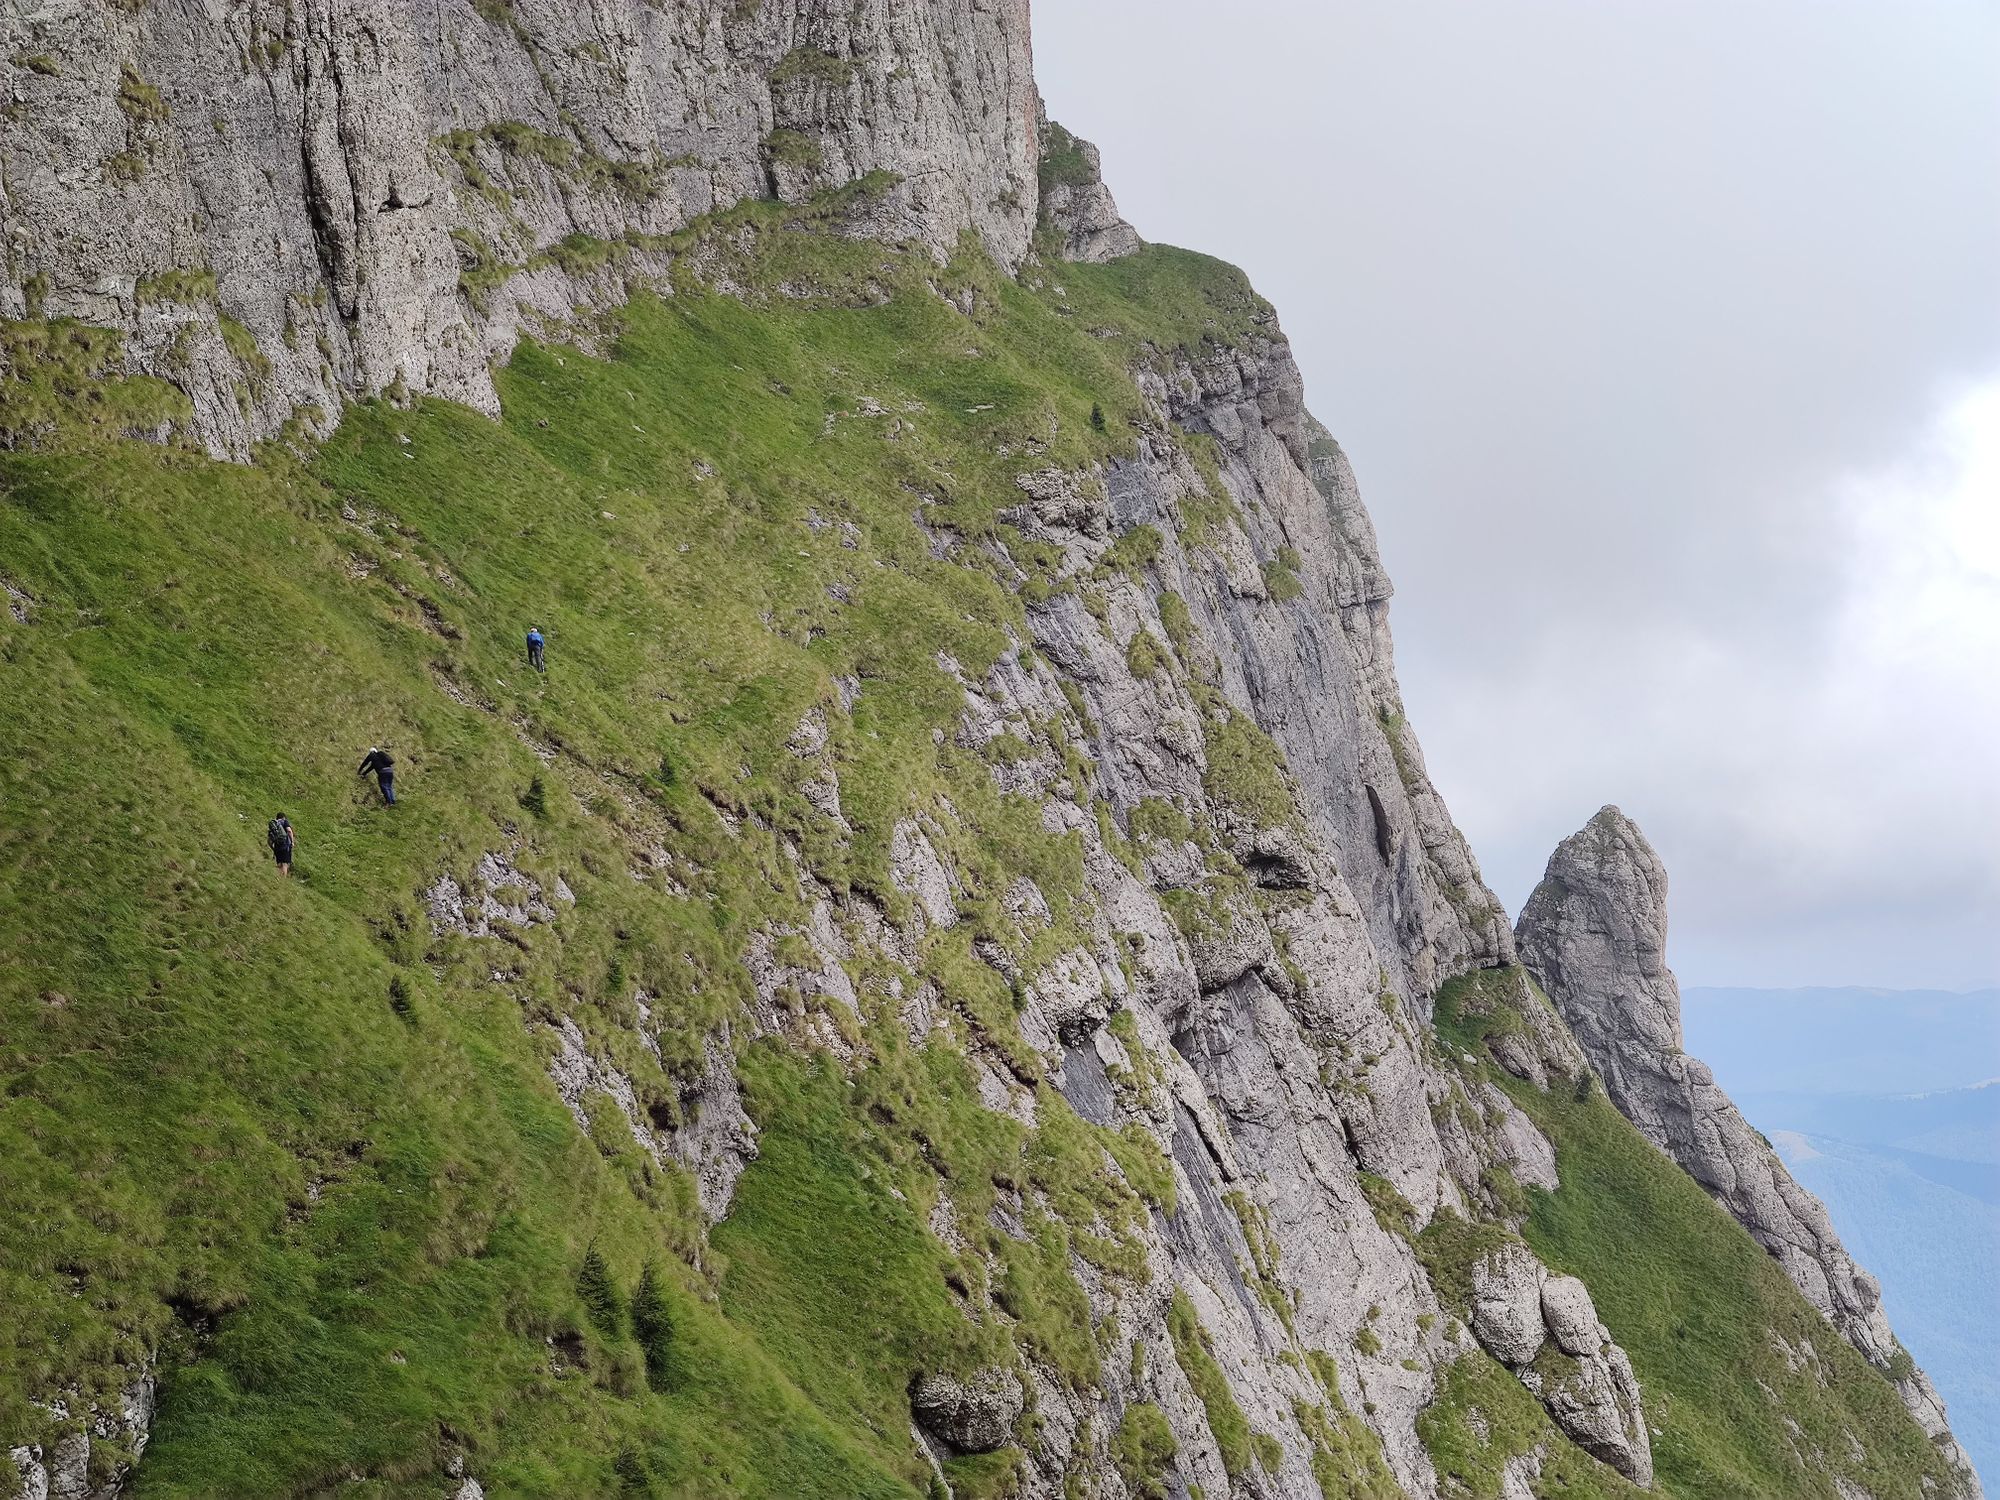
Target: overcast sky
1665,340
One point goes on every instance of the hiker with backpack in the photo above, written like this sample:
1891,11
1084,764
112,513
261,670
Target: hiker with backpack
535,648
283,841
379,761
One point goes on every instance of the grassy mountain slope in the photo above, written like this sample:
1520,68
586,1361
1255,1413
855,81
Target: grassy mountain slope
274,1128
1752,1393
299,1149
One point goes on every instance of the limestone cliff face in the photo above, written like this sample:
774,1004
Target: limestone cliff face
1595,934
1294,1025
285,205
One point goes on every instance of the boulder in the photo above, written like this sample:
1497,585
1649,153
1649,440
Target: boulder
1570,1316
971,1414
1507,1304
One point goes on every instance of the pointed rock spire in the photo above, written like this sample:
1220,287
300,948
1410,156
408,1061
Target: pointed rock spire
1594,934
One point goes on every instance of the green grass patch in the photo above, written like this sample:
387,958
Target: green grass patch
1246,770
809,65
1143,1448
1698,1306
1483,1417
1225,1418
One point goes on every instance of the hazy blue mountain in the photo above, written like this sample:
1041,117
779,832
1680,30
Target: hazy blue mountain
1887,1105
1859,1041
1934,1248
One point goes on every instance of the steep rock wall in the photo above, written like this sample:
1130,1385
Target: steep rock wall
286,205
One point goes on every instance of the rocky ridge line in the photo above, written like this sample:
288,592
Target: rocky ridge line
1594,934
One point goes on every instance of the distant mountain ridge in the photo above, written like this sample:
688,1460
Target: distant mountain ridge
1883,1104
1876,1041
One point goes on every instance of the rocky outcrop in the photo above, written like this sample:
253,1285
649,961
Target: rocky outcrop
1284,1022
90,1461
1594,933
1076,205
283,206
972,1415
1586,1382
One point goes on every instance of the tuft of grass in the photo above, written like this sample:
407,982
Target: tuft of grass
1063,163
809,65
1246,770
1347,1458
1144,655
788,148
141,102
64,383
520,141
242,346
1281,576
1225,1417
1133,552
179,285
1143,1448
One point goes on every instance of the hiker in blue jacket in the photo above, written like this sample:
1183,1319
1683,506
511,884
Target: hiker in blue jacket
535,648
379,761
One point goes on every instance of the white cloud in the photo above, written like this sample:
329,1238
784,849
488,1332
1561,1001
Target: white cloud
1827,797
1634,320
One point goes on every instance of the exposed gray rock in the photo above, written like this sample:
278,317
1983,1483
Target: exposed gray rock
1571,1316
917,872
1597,1405
69,1468
31,1475
300,172
1507,1304
498,892
20,603
1518,1476
1594,933
1525,1151
1071,992
1075,202
974,1415
714,1138
1517,1307
1541,1051
61,1469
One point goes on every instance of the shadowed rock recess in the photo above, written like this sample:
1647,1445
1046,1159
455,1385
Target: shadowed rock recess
956,981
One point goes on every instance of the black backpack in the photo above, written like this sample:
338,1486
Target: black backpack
279,833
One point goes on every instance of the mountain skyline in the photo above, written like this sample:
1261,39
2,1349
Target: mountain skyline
1665,343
